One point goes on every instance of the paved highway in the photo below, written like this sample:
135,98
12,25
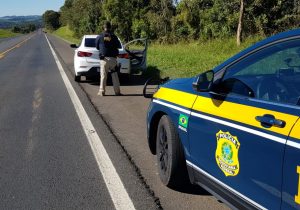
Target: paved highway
50,156
126,118
8,43
46,161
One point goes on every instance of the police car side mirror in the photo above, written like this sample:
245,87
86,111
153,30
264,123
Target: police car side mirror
203,82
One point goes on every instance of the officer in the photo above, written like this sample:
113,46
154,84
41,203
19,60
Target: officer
108,44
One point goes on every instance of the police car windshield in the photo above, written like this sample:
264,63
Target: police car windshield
90,42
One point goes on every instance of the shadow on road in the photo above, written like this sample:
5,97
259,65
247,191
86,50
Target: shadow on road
192,189
152,72
137,79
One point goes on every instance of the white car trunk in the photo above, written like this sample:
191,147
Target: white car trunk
95,56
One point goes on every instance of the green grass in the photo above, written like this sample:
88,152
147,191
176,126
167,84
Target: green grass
65,33
183,59
190,59
5,33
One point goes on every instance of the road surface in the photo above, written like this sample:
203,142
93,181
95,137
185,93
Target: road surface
46,161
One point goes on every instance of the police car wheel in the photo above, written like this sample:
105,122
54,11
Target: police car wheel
170,155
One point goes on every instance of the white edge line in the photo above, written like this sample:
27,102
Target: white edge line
249,130
116,189
224,185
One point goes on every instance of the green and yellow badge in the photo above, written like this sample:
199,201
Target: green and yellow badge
183,122
227,153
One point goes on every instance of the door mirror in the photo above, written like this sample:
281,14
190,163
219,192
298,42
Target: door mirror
203,82
73,46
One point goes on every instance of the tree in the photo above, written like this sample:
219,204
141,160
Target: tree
31,27
16,29
240,24
120,14
158,19
66,12
51,20
83,16
174,20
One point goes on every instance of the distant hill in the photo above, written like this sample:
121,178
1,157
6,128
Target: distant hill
10,21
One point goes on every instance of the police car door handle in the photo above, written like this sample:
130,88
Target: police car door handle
268,121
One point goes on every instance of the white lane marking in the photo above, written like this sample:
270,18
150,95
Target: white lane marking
224,185
112,180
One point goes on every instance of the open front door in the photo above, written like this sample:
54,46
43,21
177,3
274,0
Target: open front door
137,50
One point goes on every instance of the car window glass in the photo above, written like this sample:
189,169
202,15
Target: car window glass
90,42
273,74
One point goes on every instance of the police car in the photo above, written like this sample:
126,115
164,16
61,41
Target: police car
235,130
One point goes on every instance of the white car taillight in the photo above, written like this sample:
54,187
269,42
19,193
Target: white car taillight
125,55
84,54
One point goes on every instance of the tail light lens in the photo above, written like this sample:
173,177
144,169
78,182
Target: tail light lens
84,54
125,55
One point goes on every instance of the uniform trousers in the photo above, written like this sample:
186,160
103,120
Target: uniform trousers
106,65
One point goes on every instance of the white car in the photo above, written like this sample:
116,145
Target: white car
87,63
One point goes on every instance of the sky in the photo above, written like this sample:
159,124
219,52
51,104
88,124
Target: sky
28,7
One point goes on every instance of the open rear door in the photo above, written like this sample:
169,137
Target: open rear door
137,50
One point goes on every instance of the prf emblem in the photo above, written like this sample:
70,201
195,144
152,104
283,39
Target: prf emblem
107,38
227,153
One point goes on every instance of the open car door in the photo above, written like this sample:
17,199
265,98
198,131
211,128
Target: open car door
137,50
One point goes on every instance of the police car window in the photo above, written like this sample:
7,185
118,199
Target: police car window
90,42
273,73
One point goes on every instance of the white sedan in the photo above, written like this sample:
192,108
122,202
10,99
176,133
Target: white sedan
87,63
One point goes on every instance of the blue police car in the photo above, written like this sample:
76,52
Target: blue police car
235,130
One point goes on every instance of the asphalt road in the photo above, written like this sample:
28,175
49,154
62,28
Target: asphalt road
126,118
46,161
7,43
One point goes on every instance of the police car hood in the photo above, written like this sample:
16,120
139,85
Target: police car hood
182,84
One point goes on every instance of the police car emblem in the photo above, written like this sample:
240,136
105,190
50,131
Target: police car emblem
227,153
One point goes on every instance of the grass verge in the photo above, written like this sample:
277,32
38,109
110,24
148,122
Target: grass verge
5,33
65,33
190,59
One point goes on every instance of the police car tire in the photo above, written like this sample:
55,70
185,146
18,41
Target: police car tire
172,172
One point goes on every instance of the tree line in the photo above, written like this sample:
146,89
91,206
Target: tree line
24,28
173,21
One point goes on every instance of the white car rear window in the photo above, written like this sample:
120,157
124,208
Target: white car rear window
90,42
